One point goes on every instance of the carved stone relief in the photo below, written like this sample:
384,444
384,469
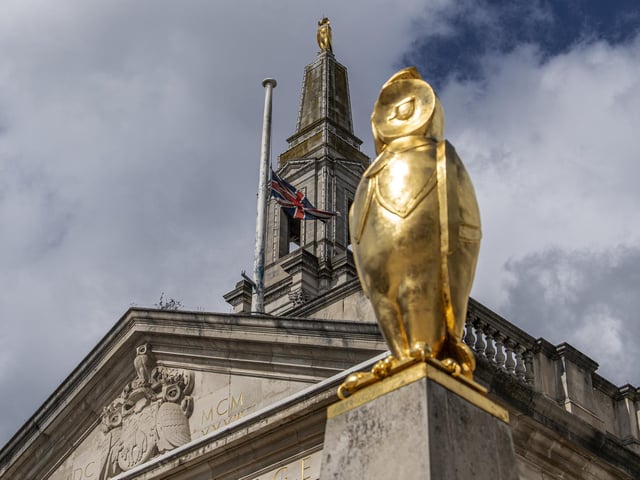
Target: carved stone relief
299,296
162,408
151,415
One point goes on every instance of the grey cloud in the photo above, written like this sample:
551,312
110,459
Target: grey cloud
128,159
584,297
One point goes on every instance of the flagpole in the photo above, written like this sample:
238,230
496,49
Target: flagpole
257,299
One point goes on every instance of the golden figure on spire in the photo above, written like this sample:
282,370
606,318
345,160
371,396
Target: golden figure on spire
324,35
415,231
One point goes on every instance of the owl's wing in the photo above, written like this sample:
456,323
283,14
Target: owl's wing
360,208
466,203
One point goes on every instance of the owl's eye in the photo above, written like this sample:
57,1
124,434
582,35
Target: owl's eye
404,110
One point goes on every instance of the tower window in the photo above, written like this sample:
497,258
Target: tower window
290,234
294,233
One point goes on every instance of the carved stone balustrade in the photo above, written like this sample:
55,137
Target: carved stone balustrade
521,363
500,343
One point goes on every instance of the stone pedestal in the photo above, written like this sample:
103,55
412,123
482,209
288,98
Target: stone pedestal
418,424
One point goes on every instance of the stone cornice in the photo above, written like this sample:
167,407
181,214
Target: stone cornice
565,350
339,292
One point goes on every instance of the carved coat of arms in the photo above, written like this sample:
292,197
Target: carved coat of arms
150,417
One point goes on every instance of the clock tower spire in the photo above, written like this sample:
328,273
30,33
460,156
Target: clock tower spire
304,259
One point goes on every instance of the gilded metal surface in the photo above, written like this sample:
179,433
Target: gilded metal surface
415,228
324,35
389,367
470,391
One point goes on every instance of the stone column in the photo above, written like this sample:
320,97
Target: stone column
422,424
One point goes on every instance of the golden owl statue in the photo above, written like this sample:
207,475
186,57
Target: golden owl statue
415,228
323,35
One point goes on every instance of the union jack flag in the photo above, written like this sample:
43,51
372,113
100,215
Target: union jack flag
294,202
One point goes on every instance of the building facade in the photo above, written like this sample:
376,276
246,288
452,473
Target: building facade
192,395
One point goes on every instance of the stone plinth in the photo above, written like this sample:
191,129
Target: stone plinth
418,424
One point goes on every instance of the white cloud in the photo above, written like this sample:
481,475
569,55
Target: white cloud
552,149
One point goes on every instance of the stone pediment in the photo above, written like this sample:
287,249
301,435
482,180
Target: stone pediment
163,408
160,380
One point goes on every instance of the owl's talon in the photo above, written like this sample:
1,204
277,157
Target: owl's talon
351,384
421,351
383,368
352,380
343,392
452,366
463,357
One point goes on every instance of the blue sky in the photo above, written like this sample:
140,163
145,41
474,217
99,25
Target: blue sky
479,29
129,138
